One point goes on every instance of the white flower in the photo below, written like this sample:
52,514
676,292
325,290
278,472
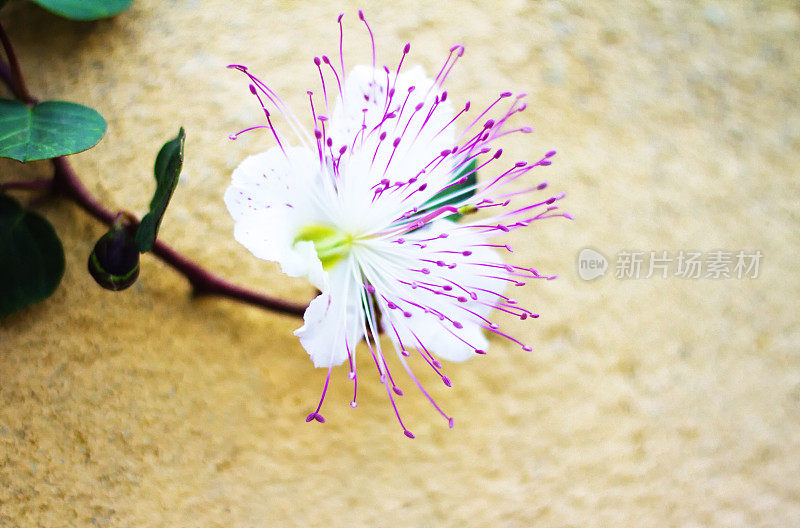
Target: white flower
365,208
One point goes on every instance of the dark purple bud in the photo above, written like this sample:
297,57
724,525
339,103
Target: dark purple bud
316,61
114,261
407,48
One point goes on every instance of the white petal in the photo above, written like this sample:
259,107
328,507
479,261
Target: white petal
369,159
271,179
438,337
270,198
441,336
333,320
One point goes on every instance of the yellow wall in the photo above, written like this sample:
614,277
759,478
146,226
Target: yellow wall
651,402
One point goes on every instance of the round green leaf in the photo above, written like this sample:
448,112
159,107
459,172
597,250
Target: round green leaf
32,262
85,9
47,130
167,170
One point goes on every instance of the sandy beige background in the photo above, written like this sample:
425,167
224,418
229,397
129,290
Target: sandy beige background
652,402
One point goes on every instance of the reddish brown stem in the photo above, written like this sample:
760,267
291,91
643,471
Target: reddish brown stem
203,282
26,185
17,84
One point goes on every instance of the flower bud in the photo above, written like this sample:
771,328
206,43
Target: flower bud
114,261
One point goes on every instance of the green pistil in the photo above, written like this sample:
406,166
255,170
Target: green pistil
331,244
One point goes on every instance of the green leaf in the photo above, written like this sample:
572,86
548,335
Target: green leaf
85,9
32,262
2,3
456,193
168,167
47,130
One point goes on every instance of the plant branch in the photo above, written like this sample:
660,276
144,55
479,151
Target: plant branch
203,282
26,185
16,81
5,76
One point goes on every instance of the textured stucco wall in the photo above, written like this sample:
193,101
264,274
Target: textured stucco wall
651,402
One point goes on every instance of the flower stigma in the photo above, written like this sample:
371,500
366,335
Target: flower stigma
331,244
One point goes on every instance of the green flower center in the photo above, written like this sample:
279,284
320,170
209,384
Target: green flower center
331,244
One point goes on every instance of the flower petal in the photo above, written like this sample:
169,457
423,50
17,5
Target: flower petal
394,141
333,320
270,198
451,324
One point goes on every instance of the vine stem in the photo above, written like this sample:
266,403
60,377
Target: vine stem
66,183
26,185
17,84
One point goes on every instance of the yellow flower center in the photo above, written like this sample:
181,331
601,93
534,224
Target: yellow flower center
331,244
